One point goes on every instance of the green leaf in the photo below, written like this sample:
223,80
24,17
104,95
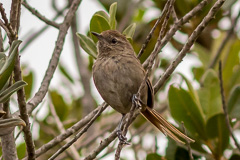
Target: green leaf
21,150
112,12
203,54
60,105
98,24
2,60
29,80
198,72
5,95
234,103
192,92
184,108
2,55
217,131
153,156
129,31
209,94
87,45
7,68
103,14
65,73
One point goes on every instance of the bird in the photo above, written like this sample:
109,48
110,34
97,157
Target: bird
118,74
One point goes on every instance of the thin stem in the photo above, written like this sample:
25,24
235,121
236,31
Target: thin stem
225,107
40,16
193,37
67,145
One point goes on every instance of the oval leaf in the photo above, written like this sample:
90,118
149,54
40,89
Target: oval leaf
192,92
5,95
217,131
103,14
87,45
112,12
130,30
7,68
98,24
209,94
183,108
234,103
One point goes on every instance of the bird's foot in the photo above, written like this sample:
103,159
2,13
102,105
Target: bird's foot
137,101
122,138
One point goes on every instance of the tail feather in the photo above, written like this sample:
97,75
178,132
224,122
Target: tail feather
163,125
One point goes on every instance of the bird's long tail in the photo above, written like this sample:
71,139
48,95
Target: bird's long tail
164,126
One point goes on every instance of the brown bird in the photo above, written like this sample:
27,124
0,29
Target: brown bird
118,74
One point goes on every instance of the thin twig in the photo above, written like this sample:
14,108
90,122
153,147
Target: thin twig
68,132
188,45
104,143
40,16
225,107
8,26
88,101
188,143
144,46
174,15
67,145
72,150
174,28
38,97
15,23
224,42
5,28
91,139
125,128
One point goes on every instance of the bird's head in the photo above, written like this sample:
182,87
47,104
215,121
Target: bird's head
112,42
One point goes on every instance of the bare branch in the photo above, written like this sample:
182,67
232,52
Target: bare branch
175,27
144,46
38,15
72,150
79,134
38,97
68,132
225,107
88,101
188,45
15,23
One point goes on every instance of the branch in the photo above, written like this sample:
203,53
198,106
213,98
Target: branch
224,42
72,150
68,132
188,45
1,50
144,46
38,97
38,15
84,73
175,27
225,108
15,23
79,134
5,25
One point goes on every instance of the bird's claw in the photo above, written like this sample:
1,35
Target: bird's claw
122,138
136,100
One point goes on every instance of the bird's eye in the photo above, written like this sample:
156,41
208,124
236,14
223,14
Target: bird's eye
114,41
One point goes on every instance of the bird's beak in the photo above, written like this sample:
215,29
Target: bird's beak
99,36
